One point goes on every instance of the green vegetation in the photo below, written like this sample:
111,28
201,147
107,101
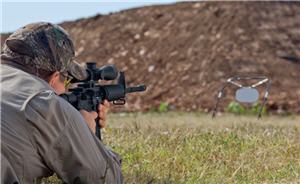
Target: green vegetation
177,147
237,108
163,107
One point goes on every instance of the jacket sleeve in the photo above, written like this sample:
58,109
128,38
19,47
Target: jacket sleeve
66,144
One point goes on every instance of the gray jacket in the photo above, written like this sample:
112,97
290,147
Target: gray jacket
41,134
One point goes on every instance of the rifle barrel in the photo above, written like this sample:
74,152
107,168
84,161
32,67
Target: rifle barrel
135,89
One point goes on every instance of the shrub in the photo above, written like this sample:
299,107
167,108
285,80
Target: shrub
237,108
163,107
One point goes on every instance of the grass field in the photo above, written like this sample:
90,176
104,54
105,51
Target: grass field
178,147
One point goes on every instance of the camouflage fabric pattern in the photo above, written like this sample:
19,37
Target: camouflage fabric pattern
46,46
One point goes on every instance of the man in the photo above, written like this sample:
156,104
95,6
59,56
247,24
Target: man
41,133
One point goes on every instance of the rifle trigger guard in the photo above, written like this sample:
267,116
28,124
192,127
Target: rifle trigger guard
121,101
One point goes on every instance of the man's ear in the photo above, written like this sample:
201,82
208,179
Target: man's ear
54,79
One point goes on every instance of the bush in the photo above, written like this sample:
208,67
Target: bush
237,108
256,107
163,107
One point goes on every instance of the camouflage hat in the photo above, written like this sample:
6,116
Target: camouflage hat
46,46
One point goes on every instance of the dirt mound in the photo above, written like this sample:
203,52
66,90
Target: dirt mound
185,51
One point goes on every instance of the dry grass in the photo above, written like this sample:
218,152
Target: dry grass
179,147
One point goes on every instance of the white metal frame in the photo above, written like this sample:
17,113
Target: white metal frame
235,81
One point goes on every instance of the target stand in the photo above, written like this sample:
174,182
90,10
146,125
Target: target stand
245,94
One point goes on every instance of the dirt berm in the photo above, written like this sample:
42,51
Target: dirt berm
184,52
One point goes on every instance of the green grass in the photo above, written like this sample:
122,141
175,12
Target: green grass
177,147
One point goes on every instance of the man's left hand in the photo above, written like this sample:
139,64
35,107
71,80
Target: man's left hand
103,110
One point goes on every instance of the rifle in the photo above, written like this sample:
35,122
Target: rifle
89,94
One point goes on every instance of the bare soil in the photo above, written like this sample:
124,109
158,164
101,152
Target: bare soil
184,52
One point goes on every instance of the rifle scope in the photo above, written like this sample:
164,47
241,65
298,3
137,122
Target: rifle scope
107,72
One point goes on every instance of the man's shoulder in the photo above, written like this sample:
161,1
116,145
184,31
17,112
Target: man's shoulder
18,87
19,79
46,106
49,99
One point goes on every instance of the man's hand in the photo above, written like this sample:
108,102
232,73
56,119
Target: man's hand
91,116
103,109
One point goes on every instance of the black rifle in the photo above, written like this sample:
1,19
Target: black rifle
89,94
